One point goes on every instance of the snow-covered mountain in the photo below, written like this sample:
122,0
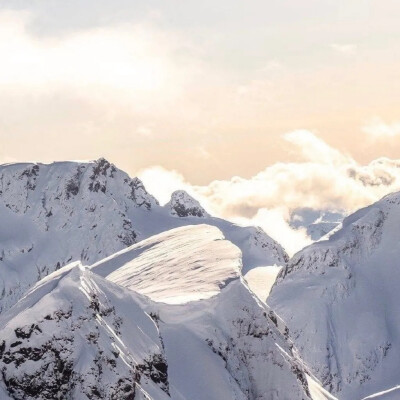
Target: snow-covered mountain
54,214
105,294
184,264
208,314
340,299
183,205
78,336
171,317
317,223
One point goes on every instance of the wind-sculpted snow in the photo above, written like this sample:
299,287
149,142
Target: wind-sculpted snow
184,264
220,341
77,336
54,214
340,298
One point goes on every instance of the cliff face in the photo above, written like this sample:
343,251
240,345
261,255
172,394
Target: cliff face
338,298
57,213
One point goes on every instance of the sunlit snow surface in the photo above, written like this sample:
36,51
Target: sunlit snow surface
207,317
389,394
177,266
217,340
168,317
261,280
75,334
54,214
340,299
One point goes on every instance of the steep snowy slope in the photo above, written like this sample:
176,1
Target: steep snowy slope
261,280
206,337
258,249
57,213
77,336
340,300
220,342
54,214
184,264
389,394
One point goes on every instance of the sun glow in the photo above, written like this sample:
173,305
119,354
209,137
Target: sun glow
122,58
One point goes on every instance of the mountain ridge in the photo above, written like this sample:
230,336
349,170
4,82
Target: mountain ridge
75,326
86,211
338,298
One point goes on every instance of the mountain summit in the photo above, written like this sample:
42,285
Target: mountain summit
339,299
183,205
167,318
58,213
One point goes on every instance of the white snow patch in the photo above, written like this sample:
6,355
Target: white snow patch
317,391
385,395
261,280
184,264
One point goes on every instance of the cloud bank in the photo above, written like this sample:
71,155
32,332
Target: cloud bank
377,128
323,179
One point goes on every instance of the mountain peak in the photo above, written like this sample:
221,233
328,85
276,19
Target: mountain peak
184,205
87,210
76,335
332,292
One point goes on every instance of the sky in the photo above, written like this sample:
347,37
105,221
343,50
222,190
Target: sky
224,97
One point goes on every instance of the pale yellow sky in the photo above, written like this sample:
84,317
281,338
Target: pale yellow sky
204,88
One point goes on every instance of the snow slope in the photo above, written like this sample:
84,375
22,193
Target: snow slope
54,214
261,280
199,335
220,341
340,300
226,347
184,264
76,335
57,213
389,394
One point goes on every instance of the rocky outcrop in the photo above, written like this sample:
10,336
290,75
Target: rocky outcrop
77,336
208,318
183,205
57,213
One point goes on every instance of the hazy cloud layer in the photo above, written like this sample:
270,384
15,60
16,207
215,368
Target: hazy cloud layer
208,91
325,179
202,89
377,129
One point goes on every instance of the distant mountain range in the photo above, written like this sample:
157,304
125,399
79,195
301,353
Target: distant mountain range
317,223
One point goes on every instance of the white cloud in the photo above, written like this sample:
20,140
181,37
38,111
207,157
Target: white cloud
325,180
161,182
314,149
274,221
344,48
127,61
379,129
